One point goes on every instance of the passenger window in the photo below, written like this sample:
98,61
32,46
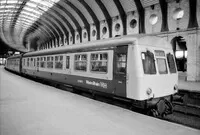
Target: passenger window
171,63
49,62
34,59
148,63
121,63
59,62
99,62
67,62
162,68
81,62
28,62
42,63
38,62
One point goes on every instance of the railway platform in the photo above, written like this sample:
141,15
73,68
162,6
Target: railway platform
30,108
187,85
190,91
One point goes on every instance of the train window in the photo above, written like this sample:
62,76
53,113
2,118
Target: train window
58,62
42,63
99,62
81,62
171,63
38,62
34,59
121,63
27,62
67,62
24,62
162,68
48,58
61,57
49,62
56,58
148,62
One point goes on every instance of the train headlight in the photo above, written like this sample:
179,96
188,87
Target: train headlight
149,91
175,87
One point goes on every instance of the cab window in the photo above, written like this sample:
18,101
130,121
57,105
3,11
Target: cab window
161,61
162,68
171,63
148,62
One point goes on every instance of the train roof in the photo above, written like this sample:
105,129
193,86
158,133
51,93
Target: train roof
139,39
15,56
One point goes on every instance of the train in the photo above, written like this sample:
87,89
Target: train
139,68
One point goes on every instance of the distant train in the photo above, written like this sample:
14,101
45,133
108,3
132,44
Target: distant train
139,68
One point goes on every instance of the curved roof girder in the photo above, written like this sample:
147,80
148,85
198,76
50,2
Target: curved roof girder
107,15
61,11
122,14
38,24
55,16
41,26
93,15
78,27
85,21
24,22
47,21
48,24
40,30
141,13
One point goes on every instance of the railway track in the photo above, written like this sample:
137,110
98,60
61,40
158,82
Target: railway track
186,109
185,114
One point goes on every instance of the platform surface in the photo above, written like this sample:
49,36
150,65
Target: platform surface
187,85
31,108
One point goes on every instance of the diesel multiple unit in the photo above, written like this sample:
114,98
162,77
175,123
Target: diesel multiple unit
140,68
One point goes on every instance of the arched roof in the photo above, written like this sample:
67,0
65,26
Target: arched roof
22,21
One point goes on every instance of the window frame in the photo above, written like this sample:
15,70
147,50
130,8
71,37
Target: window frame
165,62
99,60
67,62
58,61
146,53
118,61
81,61
172,70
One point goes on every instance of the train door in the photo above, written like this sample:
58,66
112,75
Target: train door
119,76
20,63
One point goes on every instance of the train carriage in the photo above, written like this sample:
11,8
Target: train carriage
13,63
140,68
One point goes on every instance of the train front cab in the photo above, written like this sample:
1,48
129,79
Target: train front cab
152,75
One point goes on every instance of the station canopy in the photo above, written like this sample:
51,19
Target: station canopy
16,16
26,24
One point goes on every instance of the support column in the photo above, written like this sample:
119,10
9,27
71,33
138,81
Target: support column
193,59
